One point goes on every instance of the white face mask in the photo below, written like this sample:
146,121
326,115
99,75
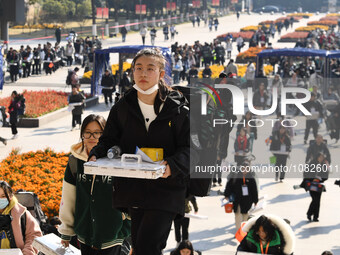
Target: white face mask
148,91
3,203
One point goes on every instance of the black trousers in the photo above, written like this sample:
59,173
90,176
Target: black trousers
76,119
184,224
281,161
27,70
143,39
314,207
48,70
150,230
311,124
87,250
217,177
13,123
107,95
69,61
36,68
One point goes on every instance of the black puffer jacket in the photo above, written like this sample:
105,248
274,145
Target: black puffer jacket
170,131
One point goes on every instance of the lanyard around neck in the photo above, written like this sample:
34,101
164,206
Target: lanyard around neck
261,245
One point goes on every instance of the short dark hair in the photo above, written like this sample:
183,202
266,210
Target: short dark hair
76,69
186,244
327,253
92,117
7,189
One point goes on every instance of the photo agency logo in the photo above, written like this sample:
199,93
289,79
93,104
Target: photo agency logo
239,103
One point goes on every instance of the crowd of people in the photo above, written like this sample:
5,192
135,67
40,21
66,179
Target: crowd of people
47,58
145,209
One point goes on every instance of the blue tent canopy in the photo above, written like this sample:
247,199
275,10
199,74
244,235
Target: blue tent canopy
102,60
1,72
334,54
295,52
289,52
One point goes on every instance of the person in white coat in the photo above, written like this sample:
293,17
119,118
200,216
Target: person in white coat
143,33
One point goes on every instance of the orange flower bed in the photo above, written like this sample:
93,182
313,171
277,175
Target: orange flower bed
250,53
323,22
295,35
39,103
330,18
244,35
41,172
266,22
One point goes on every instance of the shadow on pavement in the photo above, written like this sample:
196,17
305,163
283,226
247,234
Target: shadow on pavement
203,240
287,197
317,230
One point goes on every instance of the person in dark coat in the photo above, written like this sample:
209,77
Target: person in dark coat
108,83
241,189
150,115
123,31
313,181
58,35
48,62
13,112
315,108
76,98
14,61
280,146
260,98
166,32
316,147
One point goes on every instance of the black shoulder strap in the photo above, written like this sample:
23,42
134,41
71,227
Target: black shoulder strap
72,162
23,226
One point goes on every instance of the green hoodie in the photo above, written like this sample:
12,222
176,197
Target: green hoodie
86,208
275,242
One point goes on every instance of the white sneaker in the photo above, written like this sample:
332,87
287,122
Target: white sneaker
15,136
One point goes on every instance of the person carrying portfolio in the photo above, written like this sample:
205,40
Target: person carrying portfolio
85,208
150,115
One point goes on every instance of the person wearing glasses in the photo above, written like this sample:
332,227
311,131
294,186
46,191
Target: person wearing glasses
150,115
86,208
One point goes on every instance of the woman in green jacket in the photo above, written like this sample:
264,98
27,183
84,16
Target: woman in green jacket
86,204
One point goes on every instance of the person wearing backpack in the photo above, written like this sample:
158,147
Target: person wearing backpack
18,228
86,208
13,113
150,115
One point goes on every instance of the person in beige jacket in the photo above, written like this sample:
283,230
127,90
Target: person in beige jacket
18,228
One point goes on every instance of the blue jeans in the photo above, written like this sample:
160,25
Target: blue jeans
176,77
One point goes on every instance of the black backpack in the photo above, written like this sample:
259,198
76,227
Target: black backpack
31,201
22,106
68,78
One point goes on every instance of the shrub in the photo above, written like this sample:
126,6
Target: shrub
39,103
40,172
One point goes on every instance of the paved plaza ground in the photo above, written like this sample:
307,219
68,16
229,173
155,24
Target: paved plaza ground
215,235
